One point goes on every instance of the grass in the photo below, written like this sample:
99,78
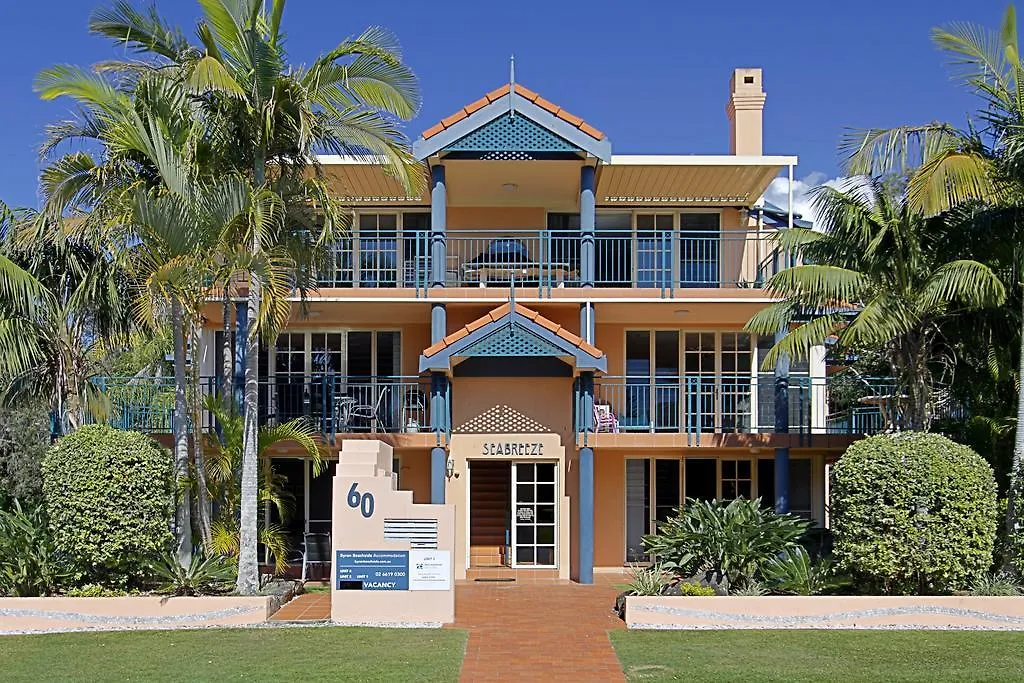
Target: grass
820,655
273,654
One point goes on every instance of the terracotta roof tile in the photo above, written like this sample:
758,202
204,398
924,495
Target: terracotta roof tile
454,118
526,92
503,310
498,93
523,92
545,104
474,106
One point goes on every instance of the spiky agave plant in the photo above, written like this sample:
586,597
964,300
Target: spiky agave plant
223,461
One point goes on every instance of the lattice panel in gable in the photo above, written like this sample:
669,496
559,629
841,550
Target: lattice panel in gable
502,419
511,134
511,341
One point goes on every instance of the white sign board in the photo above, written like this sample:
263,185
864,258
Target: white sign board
430,570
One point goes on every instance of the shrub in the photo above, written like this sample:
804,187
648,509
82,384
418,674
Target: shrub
734,539
29,563
109,496
205,575
913,513
796,573
999,583
646,580
696,590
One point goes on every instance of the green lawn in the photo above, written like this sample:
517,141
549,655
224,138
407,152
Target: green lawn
820,655
268,654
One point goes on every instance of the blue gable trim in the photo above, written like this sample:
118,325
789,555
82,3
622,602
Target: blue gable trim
526,335
602,149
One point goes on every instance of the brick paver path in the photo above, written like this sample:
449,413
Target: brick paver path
306,607
538,632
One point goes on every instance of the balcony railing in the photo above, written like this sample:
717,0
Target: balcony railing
547,259
731,405
332,404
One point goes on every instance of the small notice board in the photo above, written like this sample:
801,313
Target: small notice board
393,570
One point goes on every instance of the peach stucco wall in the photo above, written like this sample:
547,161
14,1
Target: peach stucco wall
415,474
496,218
132,612
544,400
828,611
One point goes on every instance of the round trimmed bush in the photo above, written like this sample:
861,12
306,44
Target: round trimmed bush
913,513
110,499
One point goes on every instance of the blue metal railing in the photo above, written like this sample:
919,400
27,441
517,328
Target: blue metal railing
732,404
546,259
335,404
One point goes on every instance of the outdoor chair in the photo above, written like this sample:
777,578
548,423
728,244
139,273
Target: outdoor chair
371,412
605,419
316,549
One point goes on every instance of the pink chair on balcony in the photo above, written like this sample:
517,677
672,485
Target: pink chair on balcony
605,419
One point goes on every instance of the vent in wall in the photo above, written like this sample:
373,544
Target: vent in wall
420,533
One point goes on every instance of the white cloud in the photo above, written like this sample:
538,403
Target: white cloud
778,192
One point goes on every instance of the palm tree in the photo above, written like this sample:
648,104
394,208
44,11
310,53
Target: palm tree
269,119
876,277
63,313
224,464
982,166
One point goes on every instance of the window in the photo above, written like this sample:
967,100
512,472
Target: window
613,251
651,484
701,478
378,250
699,249
800,398
652,367
654,249
735,391
737,479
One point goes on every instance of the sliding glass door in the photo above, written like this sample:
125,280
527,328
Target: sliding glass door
653,492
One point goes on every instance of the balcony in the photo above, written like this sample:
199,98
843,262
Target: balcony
332,404
696,405
548,259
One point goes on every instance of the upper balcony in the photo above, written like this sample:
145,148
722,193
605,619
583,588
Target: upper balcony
658,262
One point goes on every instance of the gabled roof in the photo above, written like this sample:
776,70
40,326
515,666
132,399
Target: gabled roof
512,102
523,92
534,331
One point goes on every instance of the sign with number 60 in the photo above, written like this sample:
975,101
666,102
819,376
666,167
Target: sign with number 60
362,501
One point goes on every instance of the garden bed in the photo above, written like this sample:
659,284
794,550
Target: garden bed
43,615
825,612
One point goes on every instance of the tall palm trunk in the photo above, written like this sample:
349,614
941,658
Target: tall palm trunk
1015,492
228,361
248,567
182,517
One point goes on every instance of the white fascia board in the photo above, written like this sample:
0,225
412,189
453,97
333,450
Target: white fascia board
700,160
351,160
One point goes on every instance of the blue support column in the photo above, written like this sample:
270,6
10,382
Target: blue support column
587,322
586,492
782,427
439,418
438,322
588,219
438,226
241,352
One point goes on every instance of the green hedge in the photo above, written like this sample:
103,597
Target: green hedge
913,513
110,500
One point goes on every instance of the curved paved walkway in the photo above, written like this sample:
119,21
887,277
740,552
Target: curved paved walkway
538,632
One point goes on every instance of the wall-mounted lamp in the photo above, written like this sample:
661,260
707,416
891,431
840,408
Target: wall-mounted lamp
449,467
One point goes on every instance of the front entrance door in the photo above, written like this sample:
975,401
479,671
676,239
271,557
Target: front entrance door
534,514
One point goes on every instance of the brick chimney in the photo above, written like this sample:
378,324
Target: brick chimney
746,112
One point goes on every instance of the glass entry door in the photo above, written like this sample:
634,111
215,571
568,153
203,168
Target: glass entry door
534,514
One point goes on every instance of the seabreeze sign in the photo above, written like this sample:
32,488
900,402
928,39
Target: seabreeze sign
372,570
509,449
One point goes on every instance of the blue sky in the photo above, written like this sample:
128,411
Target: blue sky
651,75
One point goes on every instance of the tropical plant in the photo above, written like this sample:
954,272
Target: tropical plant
912,513
268,119
29,562
24,438
793,571
875,276
204,574
224,458
997,583
63,310
734,538
754,589
979,169
646,580
686,588
109,499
